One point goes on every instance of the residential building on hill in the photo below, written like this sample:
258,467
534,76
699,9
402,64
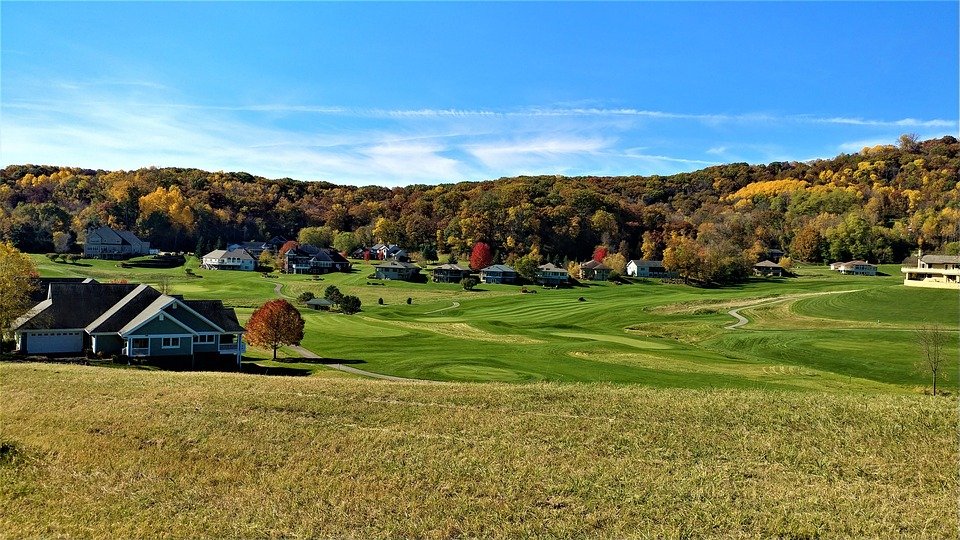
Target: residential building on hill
253,248
236,259
648,269
767,268
595,271
450,273
498,273
933,271
859,268
107,243
307,259
129,319
551,275
394,269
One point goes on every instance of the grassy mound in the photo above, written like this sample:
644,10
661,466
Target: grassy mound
99,452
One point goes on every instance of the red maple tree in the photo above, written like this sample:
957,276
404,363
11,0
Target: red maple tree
288,245
481,256
600,253
274,324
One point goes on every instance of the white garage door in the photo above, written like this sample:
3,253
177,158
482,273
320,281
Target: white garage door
55,342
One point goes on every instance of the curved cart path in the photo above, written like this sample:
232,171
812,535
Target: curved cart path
741,320
455,305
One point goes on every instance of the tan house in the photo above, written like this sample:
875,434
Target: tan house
767,268
933,271
857,268
595,271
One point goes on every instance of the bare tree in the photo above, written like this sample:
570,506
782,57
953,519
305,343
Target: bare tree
164,284
932,339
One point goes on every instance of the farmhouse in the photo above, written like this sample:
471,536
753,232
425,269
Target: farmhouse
307,259
648,268
236,259
767,268
595,271
498,273
106,243
394,269
858,268
552,275
135,320
450,273
933,271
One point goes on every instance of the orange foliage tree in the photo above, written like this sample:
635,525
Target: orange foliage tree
274,324
481,256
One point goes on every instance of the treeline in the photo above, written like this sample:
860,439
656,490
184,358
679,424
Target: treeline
877,204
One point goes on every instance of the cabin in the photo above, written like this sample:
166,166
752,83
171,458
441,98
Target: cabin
321,304
107,243
767,268
551,275
933,271
127,319
450,273
394,269
595,271
648,269
499,274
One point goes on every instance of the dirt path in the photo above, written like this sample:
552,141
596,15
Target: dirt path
309,354
741,320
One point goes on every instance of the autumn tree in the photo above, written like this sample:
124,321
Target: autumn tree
316,236
808,244
481,256
617,262
349,304
61,241
17,281
345,242
599,253
275,324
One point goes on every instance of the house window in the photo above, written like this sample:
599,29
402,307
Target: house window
204,339
141,343
170,343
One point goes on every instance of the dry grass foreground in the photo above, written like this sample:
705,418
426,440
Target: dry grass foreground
97,452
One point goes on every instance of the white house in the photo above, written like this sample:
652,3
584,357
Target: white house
858,268
645,268
237,259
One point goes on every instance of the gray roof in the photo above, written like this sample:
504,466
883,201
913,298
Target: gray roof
116,317
393,263
767,264
550,267
215,312
451,266
238,253
76,305
595,265
147,313
941,259
129,237
646,262
499,268
319,302
107,235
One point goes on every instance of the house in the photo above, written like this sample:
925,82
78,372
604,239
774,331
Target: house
498,273
129,319
255,249
595,271
107,243
388,251
774,255
551,275
308,259
859,268
767,268
933,271
394,269
320,304
648,269
450,273
237,259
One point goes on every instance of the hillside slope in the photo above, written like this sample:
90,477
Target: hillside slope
96,452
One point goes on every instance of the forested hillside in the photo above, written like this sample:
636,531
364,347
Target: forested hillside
877,204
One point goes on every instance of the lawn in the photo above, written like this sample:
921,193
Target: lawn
825,332
119,453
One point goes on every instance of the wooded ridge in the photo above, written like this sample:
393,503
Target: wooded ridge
877,204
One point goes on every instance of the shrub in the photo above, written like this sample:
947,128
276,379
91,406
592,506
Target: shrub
468,283
349,304
409,300
306,296
380,301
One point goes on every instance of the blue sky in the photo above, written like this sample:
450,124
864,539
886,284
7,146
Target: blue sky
403,93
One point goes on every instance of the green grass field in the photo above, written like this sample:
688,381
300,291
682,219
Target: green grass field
827,332
87,452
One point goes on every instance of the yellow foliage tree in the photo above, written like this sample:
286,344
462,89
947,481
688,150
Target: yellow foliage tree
17,275
171,203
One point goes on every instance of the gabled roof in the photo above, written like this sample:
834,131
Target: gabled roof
941,259
215,312
595,265
319,302
129,237
238,253
452,266
550,267
646,262
393,263
767,264
107,235
498,268
130,305
42,290
75,305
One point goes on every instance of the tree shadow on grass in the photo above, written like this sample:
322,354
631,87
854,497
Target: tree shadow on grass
320,361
